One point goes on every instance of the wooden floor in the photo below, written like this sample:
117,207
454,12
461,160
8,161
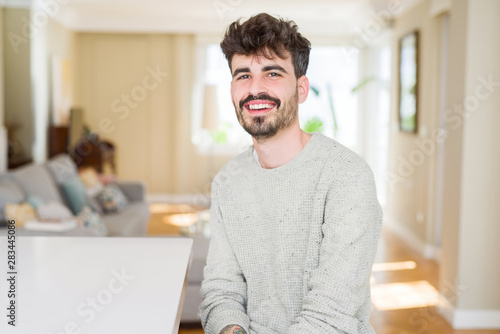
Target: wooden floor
392,287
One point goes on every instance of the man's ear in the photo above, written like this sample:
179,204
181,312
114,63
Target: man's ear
303,87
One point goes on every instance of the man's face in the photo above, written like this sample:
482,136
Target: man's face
266,94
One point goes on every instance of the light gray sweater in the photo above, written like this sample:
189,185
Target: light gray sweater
292,247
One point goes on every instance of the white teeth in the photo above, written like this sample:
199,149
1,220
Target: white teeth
259,106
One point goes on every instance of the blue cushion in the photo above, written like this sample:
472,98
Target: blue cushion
74,191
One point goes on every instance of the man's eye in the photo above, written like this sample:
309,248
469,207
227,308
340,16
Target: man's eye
244,76
273,74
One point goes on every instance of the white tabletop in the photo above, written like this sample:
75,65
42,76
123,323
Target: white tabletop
78,285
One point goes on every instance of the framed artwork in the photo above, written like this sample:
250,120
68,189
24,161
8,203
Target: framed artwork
408,82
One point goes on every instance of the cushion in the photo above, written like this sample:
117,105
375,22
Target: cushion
34,201
91,194
112,199
20,213
74,190
10,192
89,177
92,221
36,180
53,211
62,168
107,178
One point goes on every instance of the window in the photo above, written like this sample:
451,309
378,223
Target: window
331,100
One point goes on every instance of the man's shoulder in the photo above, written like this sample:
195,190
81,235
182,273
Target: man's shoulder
339,157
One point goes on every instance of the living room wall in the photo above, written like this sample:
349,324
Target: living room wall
17,78
412,186
472,185
136,91
154,141
3,131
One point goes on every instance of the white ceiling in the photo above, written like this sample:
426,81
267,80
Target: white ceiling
314,17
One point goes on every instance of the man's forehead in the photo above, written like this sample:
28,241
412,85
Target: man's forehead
240,60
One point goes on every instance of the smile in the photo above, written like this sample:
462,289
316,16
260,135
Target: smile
259,106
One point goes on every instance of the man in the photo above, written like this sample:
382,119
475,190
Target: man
295,219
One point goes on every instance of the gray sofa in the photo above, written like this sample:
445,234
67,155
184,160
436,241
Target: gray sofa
192,300
44,180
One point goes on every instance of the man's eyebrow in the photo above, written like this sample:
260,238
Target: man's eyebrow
264,69
274,68
241,70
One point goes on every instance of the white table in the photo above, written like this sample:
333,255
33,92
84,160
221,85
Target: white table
71,285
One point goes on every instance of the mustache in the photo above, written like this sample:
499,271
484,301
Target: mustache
260,97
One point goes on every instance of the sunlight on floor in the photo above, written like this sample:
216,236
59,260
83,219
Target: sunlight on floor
388,266
169,208
394,296
181,219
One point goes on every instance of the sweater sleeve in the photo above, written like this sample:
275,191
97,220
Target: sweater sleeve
224,288
338,296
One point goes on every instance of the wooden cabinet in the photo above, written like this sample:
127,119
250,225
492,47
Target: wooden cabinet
58,140
89,151
95,153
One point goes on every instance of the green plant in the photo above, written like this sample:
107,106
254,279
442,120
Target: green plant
219,135
362,84
316,91
314,124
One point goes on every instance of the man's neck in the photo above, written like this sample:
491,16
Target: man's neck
282,147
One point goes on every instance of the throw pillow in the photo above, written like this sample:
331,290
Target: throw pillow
112,199
74,190
91,194
10,192
89,177
20,213
53,211
91,220
34,201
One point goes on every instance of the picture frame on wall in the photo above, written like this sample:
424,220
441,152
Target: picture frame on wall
408,82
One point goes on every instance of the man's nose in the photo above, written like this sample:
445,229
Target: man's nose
257,86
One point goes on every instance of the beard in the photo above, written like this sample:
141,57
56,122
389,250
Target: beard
266,126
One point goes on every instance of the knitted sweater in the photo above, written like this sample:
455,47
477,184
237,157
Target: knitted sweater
292,247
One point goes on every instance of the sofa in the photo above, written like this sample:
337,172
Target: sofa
192,299
44,181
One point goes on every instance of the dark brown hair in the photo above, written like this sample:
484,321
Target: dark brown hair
264,35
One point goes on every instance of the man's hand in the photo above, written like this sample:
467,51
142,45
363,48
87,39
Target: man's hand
233,329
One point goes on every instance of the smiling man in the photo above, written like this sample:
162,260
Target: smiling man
295,218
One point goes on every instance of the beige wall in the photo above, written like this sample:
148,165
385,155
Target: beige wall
452,185
52,40
153,133
480,179
411,188
469,272
17,67
2,87
60,46
3,131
